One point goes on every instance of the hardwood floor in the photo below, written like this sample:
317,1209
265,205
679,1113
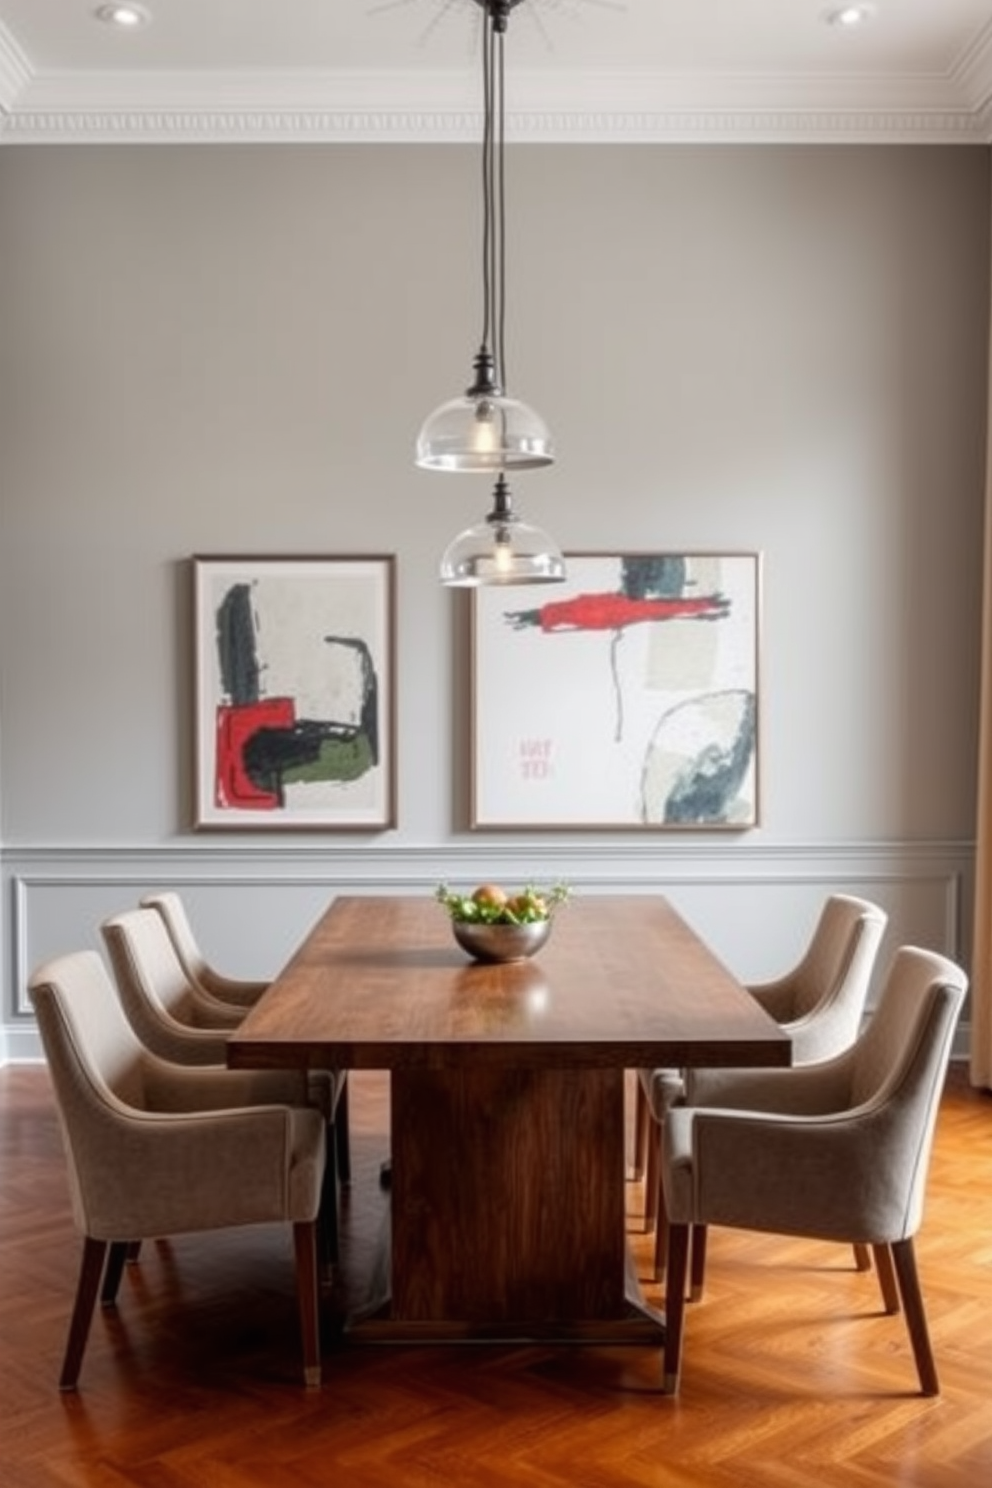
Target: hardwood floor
793,1376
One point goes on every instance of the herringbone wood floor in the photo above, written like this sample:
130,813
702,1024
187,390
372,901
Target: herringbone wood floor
793,1376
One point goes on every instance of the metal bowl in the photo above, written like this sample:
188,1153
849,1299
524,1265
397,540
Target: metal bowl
501,942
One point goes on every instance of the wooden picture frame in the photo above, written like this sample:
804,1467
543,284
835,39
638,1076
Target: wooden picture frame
624,698
295,692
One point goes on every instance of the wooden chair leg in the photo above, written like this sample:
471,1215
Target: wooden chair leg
327,1219
678,1255
862,1258
305,1246
642,1122
904,1259
133,1252
342,1135
886,1277
661,1214
90,1271
113,1272
697,1274
652,1176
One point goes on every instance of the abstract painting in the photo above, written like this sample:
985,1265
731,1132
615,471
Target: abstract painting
626,698
294,687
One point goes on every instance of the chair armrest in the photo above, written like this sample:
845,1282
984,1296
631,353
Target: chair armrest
806,1090
835,1177
233,990
208,1170
207,1011
776,997
178,1042
173,1087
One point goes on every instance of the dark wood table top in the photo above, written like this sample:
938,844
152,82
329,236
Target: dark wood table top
623,981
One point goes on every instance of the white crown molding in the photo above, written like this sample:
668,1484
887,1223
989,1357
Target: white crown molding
546,107
15,71
972,74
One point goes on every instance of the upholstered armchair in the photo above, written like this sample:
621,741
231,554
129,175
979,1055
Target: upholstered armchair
199,972
158,1000
837,1150
155,1150
237,992
819,1004
170,1014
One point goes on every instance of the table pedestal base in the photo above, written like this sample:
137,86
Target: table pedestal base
508,1211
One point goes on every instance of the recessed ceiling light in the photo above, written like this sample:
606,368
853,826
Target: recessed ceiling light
850,16
128,17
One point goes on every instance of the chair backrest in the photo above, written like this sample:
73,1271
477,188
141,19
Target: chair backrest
173,912
830,985
95,1062
912,994
206,981
154,990
851,1163
898,1069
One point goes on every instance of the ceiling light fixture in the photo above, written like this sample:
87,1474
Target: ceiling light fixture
127,17
486,431
502,549
850,16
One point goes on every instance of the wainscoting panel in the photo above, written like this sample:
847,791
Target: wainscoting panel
251,904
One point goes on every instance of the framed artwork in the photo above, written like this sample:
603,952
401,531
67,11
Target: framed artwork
626,697
295,692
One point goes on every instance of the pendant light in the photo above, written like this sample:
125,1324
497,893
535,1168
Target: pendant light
502,549
486,430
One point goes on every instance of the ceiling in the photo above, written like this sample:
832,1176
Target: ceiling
582,70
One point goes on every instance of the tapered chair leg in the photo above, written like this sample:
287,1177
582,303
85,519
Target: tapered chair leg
660,1237
886,1277
904,1260
113,1272
342,1135
697,1268
652,1177
305,1246
327,1219
90,1271
862,1258
642,1122
678,1255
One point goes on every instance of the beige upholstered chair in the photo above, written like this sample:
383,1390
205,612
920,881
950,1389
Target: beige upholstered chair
838,1150
819,1003
157,1150
160,1003
199,973
238,993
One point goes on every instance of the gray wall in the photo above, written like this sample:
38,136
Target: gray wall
220,349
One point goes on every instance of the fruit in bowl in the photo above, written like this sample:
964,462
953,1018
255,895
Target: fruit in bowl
492,925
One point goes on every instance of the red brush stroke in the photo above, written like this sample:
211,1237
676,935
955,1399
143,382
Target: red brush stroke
614,611
233,788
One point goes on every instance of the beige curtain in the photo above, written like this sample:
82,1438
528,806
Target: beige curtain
981,956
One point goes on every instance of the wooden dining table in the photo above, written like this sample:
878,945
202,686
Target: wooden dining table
507,1092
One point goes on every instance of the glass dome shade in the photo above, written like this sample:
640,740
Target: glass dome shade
502,550
485,434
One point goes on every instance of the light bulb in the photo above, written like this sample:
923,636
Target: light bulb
486,429
503,552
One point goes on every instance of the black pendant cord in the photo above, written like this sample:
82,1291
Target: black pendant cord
487,185
500,240
491,361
